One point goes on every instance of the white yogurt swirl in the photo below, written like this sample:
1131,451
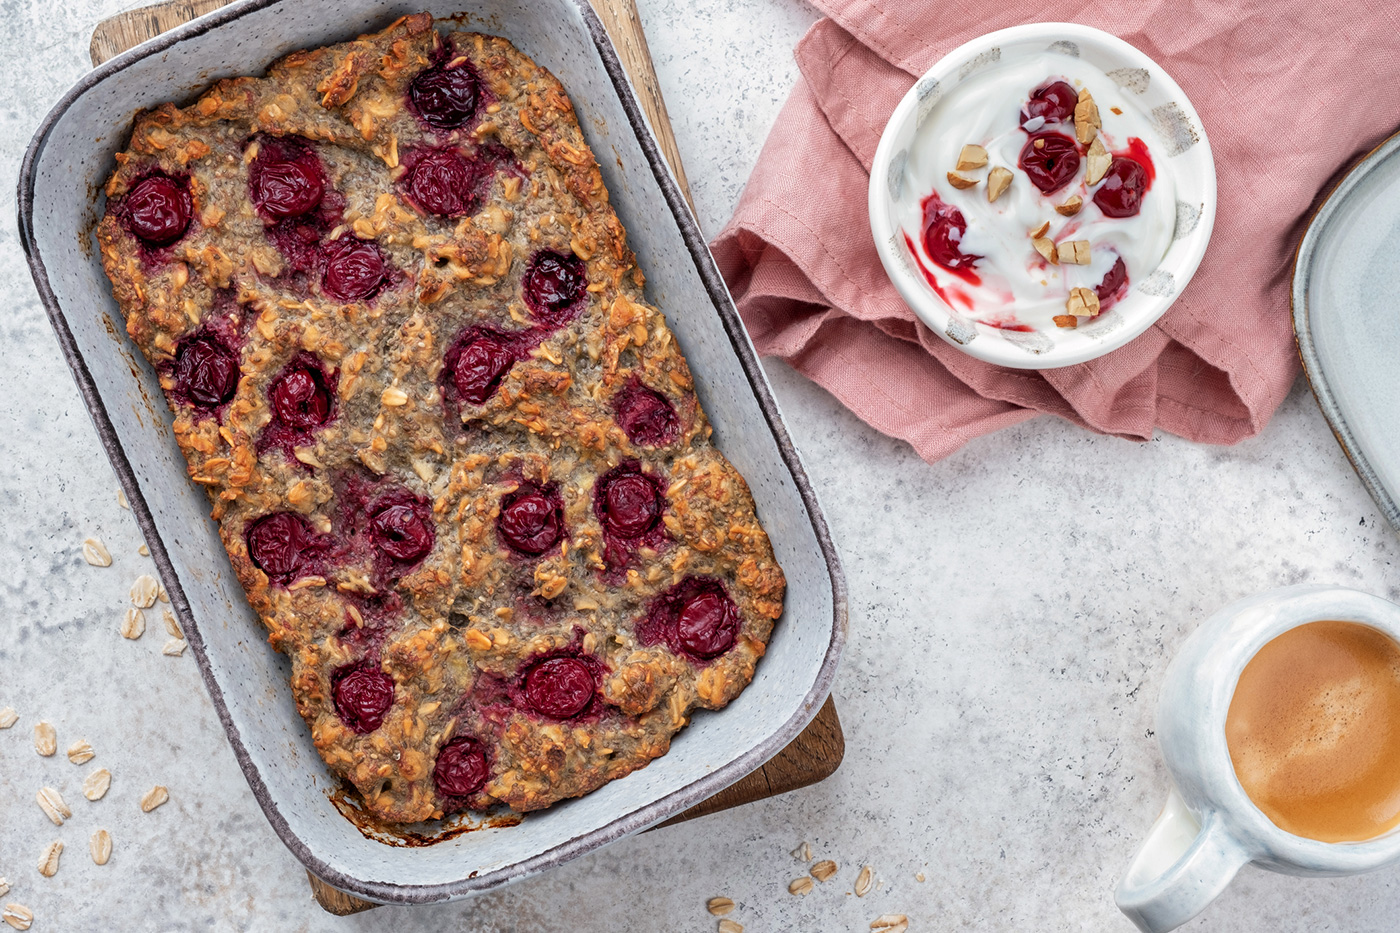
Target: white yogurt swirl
1016,287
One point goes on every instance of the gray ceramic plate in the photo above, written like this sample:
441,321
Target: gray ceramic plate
1347,318
60,180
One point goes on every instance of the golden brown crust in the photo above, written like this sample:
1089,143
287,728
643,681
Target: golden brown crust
457,629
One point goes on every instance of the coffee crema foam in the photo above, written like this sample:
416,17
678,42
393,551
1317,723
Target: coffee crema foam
1314,731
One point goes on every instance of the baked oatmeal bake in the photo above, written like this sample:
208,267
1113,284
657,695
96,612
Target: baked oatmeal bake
456,458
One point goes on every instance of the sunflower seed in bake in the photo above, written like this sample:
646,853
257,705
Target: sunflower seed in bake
18,916
144,551
863,881
729,926
45,739
154,797
133,623
48,859
719,906
803,852
175,647
145,591
394,397
53,806
890,923
80,752
823,870
100,845
800,886
8,717
95,784
172,626
96,553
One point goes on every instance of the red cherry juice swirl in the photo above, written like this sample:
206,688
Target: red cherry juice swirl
944,227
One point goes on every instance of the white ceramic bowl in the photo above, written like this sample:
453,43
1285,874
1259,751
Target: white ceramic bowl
1182,140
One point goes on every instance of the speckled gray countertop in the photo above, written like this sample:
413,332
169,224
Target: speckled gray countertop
1012,610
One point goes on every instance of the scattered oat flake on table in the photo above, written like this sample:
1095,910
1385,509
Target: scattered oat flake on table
45,739
162,595
144,591
80,752
174,647
53,806
890,923
729,926
144,551
48,859
719,906
800,886
100,845
121,499
4,887
919,877
8,717
95,784
154,797
824,869
172,627
133,623
863,881
803,852
18,916
96,553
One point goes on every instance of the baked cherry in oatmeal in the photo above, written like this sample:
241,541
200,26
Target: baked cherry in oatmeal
455,456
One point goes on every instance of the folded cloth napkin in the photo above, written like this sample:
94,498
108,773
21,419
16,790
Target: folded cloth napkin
1290,92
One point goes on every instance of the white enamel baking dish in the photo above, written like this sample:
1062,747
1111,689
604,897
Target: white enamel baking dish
59,200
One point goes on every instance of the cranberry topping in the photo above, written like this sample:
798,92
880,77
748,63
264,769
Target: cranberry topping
158,209
560,688
355,269
695,618
283,189
363,696
206,371
627,501
1050,160
300,398
479,361
402,527
280,544
445,97
531,519
645,416
1120,193
944,226
1054,101
443,182
1110,289
461,768
553,285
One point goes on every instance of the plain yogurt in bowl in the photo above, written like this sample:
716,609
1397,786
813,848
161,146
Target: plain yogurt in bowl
1042,195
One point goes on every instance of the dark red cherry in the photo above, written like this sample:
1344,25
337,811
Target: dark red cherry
1113,281
531,520
279,544
158,210
553,284
628,502
354,269
646,417
443,182
403,530
461,768
560,688
481,362
363,697
708,624
1054,101
300,398
944,226
445,97
1050,160
285,189
206,371
1120,193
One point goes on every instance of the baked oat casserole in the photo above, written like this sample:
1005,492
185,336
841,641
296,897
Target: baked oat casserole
455,457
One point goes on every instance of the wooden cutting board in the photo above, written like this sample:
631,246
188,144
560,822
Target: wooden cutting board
817,752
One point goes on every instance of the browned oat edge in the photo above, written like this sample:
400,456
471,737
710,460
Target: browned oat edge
743,348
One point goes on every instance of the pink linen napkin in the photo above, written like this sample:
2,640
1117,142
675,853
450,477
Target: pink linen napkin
1290,92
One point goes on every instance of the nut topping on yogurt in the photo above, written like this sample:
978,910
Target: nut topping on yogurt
1075,208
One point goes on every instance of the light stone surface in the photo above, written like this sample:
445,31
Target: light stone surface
1012,610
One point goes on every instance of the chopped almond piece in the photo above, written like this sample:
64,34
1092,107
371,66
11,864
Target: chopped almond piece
1046,247
1071,206
1082,302
1075,252
1086,118
972,156
997,182
1066,320
1040,231
1097,161
960,181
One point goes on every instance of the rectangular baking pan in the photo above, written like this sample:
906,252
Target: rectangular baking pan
59,202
